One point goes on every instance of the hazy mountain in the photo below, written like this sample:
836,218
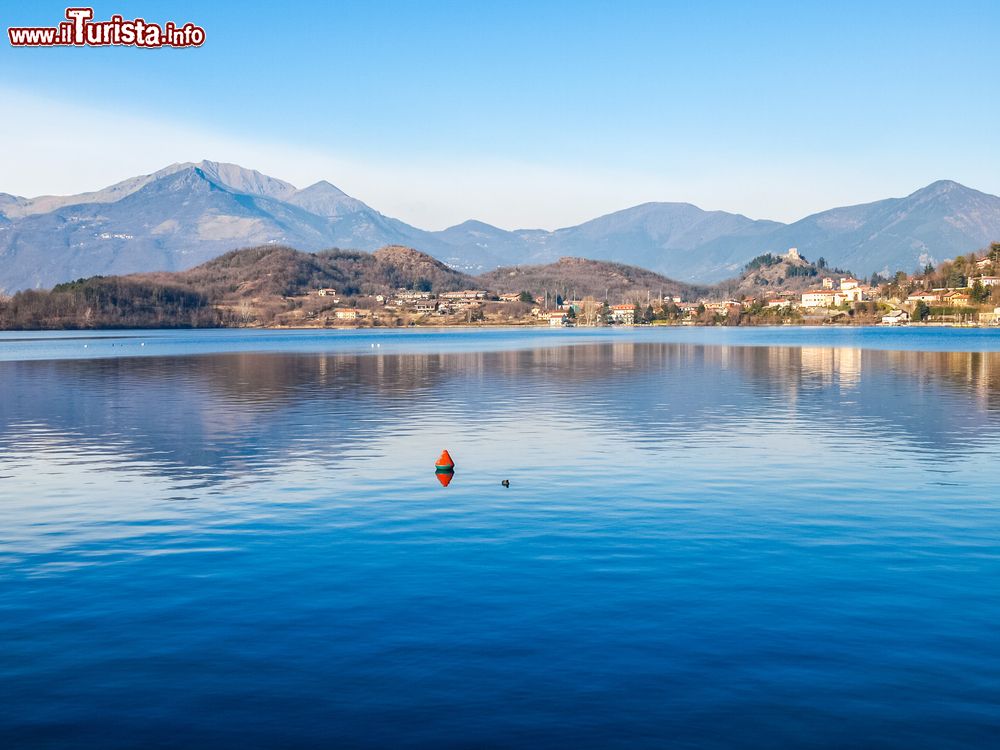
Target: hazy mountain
187,213
476,246
175,219
661,236
664,237
173,222
939,221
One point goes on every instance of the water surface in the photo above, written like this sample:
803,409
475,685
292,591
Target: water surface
711,539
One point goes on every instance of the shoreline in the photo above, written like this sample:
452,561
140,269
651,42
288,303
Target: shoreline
503,326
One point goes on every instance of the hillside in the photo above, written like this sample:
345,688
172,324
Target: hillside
283,272
185,214
770,274
240,287
578,277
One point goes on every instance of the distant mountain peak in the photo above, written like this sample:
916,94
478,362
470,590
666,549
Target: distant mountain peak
326,199
944,187
244,180
323,186
475,225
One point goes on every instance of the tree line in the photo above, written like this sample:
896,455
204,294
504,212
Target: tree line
107,302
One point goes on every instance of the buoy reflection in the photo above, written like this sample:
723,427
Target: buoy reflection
444,477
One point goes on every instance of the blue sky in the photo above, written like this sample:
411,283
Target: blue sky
524,114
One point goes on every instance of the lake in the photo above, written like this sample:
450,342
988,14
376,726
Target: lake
712,538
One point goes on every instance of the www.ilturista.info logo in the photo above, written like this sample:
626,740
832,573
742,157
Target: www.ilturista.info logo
80,30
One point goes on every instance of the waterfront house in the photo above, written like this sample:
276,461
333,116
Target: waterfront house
819,298
990,318
409,295
425,305
624,314
896,317
926,297
558,318
722,308
465,294
350,313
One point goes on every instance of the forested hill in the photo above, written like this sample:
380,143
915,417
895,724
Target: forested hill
578,277
284,272
260,276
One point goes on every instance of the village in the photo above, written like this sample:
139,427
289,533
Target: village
973,298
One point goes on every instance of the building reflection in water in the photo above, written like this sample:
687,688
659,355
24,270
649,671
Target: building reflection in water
214,415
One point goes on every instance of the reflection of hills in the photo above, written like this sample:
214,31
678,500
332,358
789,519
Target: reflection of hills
209,416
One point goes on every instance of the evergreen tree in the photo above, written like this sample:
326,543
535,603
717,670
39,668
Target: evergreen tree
979,293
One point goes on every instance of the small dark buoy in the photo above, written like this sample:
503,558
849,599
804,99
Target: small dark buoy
505,483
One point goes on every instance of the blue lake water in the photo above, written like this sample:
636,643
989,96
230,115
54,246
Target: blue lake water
712,538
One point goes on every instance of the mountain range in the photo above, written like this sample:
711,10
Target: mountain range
185,214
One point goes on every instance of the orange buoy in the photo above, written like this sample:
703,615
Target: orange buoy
444,477
444,462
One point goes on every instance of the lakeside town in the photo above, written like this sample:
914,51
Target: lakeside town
397,286
964,291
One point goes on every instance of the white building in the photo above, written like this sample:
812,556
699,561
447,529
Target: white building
624,314
819,298
558,318
465,294
350,313
852,294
